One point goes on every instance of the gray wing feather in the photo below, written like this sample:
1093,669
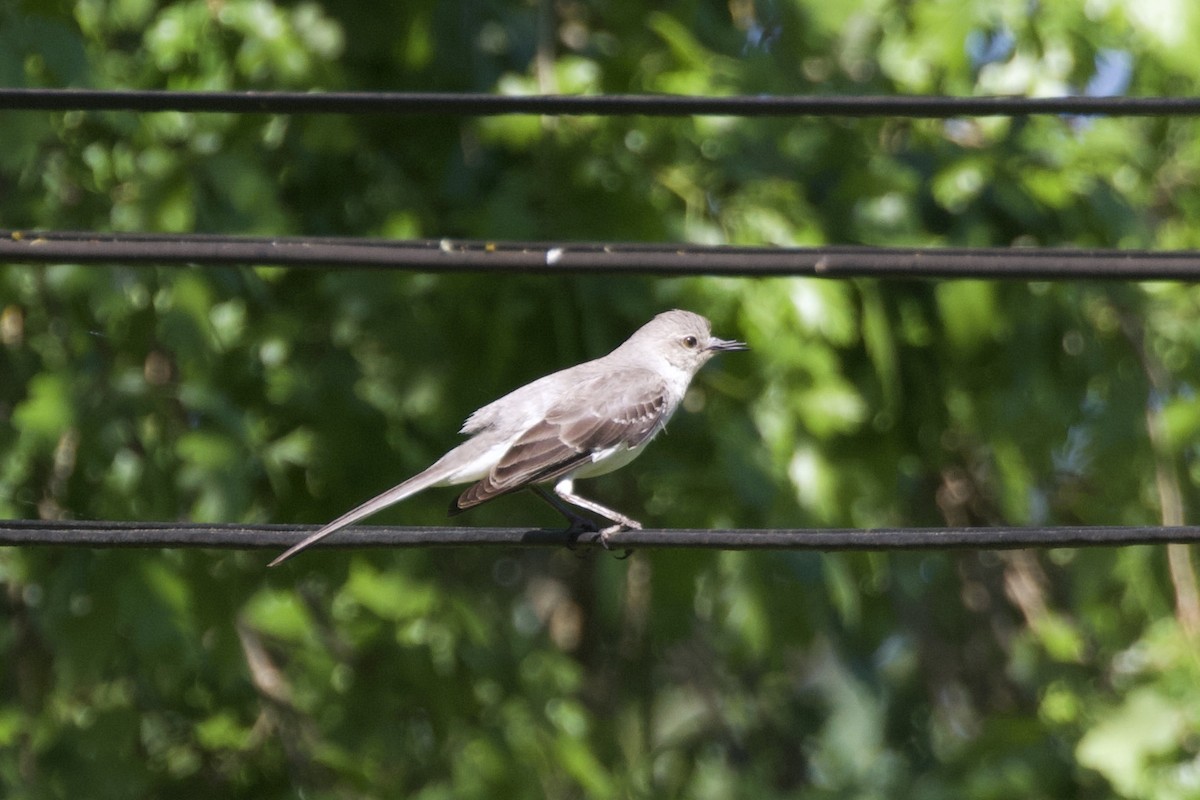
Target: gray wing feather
592,418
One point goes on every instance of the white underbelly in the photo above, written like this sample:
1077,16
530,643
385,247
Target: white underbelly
605,461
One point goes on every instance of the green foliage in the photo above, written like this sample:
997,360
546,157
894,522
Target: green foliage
261,394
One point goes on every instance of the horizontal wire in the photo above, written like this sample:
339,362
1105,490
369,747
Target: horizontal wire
467,104
93,534
579,257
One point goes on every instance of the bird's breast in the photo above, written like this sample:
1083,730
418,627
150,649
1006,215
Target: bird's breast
607,460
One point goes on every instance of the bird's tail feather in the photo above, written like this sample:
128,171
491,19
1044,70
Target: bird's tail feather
408,488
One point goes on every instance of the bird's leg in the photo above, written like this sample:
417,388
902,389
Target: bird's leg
575,523
565,489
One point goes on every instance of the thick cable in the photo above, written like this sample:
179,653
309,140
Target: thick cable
413,103
93,534
610,258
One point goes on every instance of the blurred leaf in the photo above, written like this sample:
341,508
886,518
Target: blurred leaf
48,411
1129,742
388,596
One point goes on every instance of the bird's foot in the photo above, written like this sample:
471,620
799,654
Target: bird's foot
576,527
627,525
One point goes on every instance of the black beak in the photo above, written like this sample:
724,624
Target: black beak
723,345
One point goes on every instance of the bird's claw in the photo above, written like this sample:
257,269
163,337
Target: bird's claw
630,525
582,525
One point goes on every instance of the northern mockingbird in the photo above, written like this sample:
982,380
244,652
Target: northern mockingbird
583,421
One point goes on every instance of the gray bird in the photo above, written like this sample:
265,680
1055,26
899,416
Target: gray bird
576,423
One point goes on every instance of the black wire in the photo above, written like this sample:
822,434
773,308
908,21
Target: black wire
612,258
608,105
278,537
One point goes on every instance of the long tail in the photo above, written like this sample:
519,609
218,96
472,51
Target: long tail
392,496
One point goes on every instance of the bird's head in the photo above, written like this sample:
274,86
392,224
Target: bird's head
683,339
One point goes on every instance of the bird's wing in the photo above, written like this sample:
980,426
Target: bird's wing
618,409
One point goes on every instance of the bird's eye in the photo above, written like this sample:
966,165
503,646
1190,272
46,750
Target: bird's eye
690,342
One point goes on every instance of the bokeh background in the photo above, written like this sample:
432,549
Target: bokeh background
274,395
